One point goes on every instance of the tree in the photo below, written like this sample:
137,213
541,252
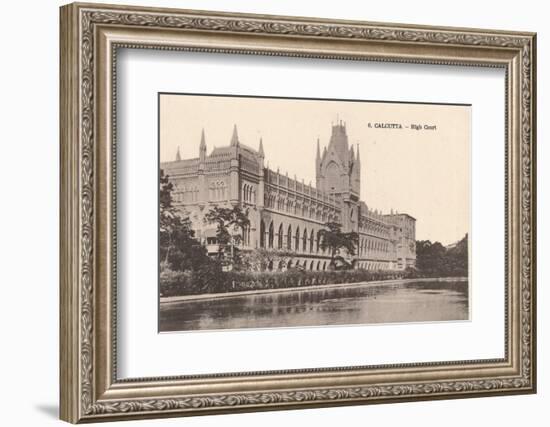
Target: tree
333,239
433,259
231,226
458,258
177,244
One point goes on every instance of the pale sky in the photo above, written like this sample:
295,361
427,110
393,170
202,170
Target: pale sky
425,173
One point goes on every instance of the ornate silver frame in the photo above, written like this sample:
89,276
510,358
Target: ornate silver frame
90,35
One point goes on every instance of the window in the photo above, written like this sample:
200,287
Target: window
270,235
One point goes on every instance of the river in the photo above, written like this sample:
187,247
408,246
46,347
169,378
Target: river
398,301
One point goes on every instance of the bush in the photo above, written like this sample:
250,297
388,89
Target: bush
211,279
174,282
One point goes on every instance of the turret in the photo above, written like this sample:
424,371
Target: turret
261,185
261,149
234,168
339,142
202,148
202,167
178,155
356,173
318,158
234,137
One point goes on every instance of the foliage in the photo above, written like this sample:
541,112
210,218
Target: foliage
177,243
231,225
260,259
333,239
435,260
217,281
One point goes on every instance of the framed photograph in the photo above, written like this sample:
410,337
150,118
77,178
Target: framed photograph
265,212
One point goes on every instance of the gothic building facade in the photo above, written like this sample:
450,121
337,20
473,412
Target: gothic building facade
284,212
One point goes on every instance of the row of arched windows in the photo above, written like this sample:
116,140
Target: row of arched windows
249,193
186,194
309,241
371,228
367,265
284,237
307,265
367,245
217,191
273,201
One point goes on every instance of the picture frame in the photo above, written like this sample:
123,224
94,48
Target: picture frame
91,37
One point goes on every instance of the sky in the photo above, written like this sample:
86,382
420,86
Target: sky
425,173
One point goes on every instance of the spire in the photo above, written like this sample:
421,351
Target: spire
358,154
178,155
202,148
261,149
235,136
203,139
318,150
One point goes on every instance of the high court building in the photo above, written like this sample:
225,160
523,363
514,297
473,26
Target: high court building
285,213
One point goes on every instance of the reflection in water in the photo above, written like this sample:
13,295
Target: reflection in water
396,302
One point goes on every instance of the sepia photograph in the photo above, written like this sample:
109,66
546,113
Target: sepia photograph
293,212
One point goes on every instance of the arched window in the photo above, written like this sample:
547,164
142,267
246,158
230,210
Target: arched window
246,193
247,239
318,265
304,240
311,265
244,235
280,237
311,241
289,238
262,234
318,240
281,265
270,236
297,239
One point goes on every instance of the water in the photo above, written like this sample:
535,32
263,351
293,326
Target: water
400,301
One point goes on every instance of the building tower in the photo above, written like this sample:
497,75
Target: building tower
339,173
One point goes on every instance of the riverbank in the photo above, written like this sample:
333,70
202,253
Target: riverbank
202,297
